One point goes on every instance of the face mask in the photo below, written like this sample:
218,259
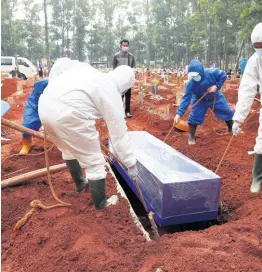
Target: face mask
196,78
259,51
124,48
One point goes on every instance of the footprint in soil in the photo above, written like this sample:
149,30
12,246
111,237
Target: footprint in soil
37,148
9,168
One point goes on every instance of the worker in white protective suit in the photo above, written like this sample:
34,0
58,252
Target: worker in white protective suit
250,84
68,109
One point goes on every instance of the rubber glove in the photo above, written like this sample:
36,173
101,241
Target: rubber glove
236,129
177,119
132,172
212,89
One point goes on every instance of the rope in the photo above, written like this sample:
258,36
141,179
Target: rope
151,214
231,139
37,204
186,111
27,154
223,157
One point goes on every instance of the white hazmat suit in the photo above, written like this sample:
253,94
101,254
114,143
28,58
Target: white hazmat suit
248,88
251,79
73,101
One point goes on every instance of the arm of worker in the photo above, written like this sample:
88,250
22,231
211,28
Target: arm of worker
111,108
133,64
221,77
185,101
247,91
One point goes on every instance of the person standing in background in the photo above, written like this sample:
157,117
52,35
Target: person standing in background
125,58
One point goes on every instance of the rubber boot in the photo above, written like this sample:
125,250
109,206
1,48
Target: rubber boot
192,132
98,194
257,174
77,175
229,125
27,142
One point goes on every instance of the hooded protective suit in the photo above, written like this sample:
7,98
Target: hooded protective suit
31,117
73,101
242,66
194,90
248,88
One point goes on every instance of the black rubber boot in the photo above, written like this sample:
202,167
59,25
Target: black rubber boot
192,132
229,125
77,175
98,194
257,174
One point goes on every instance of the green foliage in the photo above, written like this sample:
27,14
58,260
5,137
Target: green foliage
171,32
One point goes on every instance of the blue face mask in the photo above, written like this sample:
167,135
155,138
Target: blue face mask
196,78
259,51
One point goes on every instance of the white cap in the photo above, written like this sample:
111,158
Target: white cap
256,35
192,74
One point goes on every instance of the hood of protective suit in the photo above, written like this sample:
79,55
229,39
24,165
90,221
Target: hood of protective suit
60,66
124,78
244,60
256,35
195,66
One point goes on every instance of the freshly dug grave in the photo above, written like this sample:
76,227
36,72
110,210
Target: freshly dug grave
81,239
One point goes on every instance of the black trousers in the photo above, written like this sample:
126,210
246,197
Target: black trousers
128,100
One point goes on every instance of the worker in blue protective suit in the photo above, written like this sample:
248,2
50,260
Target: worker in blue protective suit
242,66
31,117
203,80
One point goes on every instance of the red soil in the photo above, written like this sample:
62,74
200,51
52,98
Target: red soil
81,239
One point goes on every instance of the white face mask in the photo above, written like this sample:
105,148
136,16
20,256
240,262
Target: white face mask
259,51
196,78
124,48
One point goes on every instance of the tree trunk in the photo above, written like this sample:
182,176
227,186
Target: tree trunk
216,55
239,54
148,33
225,58
63,29
46,37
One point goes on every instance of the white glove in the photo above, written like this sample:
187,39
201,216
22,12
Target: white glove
41,129
212,89
177,119
132,172
236,129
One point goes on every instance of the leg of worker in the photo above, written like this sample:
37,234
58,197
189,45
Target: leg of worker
196,118
257,174
77,175
95,170
128,103
26,138
257,169
223,111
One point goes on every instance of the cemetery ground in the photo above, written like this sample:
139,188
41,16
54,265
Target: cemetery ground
79,238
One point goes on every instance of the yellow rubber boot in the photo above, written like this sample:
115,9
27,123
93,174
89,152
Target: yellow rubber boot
26,145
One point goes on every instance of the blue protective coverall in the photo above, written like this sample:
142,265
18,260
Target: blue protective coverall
31,117
242,66
194,90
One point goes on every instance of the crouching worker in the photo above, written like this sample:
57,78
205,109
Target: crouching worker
31,117
252,78
68,109
203,80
